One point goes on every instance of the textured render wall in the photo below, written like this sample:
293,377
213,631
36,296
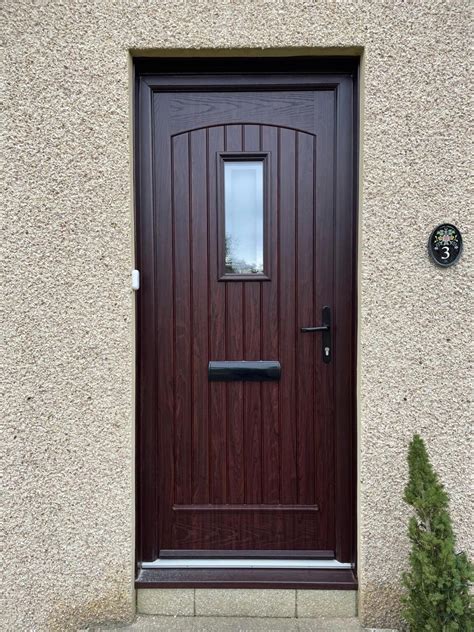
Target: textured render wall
68,252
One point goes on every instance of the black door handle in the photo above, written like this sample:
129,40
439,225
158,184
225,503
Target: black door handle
326,329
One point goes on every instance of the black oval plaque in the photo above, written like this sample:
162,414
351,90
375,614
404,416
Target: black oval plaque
445,244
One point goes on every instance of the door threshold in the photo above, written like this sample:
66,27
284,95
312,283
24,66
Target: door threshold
247,563
292,578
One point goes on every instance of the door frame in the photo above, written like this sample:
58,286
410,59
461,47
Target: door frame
207,74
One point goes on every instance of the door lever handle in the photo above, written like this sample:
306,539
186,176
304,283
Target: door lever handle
326,329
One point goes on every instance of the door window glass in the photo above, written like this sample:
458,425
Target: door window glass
244,217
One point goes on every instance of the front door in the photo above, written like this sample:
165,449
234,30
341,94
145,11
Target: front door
246,315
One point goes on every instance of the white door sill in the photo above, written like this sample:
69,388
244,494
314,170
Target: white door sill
243,563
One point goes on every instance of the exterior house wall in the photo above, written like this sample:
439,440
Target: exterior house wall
68,253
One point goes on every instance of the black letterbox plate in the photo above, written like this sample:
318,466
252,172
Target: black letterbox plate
244,370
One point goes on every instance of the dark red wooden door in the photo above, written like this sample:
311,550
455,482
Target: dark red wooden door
241,465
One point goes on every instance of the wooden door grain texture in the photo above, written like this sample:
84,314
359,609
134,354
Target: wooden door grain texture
247,467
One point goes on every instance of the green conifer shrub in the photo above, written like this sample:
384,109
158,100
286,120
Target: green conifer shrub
437,584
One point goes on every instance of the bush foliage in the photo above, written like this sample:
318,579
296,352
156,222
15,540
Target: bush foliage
437,584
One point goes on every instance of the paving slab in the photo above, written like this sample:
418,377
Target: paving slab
233,624
148,623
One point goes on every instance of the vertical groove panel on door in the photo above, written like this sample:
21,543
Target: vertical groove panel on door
305,345
235,350
199,298
217,338
252,351
270,334
288,326
182,325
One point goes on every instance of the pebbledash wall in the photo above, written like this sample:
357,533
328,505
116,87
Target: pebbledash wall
68,252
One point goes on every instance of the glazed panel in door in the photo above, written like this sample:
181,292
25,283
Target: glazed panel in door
244,466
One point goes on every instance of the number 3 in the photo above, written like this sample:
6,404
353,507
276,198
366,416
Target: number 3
446,252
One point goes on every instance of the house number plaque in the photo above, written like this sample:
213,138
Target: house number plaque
445,245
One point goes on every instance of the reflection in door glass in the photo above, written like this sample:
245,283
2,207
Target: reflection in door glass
243,198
